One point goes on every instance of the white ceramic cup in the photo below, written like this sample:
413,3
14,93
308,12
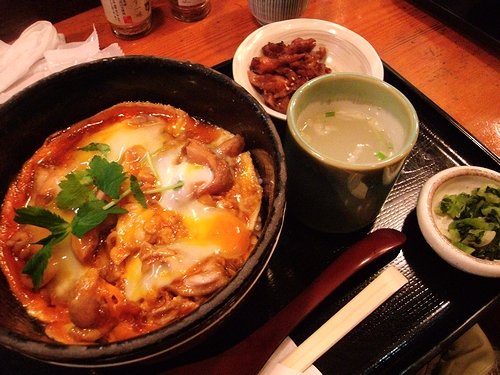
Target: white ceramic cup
267,11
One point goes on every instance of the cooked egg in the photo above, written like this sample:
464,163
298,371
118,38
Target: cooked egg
177,243
122,136
219,230
212,230
171,171
68,273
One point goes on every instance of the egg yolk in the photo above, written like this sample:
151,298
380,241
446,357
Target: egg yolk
220,229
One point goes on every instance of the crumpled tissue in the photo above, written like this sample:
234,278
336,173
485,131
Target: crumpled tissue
40,51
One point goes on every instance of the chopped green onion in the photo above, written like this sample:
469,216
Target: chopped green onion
475,225
151,165
380,155
161,189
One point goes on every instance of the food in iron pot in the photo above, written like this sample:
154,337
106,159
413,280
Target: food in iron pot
127,221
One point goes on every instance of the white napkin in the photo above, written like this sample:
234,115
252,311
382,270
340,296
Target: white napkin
274,367
40,51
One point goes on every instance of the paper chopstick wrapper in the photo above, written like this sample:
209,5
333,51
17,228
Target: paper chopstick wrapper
274,367
291,360
40,51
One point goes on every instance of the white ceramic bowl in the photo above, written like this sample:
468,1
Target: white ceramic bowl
346,50
453,181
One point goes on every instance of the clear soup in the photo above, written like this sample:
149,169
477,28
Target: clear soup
351,132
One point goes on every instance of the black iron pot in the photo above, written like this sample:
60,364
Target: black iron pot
77,93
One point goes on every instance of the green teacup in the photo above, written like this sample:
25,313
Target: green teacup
348,137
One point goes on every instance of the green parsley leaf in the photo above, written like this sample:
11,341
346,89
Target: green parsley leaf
75,190
380,155
108,176
78,194
35,267
330,114
41,217
94,146
54,238
137,192
90,215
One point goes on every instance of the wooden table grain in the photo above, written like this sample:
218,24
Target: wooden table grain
457,72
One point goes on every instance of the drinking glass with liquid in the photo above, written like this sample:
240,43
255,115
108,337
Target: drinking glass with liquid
190,10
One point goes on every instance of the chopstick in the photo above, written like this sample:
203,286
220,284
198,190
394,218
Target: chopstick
362,305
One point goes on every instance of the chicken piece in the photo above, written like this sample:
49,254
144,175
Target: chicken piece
86,306
277,85
200,153
84,247
231,147
274,50
284,68
263,65
279,104
210,276
300,45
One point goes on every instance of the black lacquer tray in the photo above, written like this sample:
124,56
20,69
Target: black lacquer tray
434,308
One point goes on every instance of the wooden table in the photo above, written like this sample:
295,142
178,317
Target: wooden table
456,72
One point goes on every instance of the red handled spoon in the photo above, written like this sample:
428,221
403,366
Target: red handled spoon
250,355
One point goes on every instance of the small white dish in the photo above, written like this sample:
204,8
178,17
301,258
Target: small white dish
434,227
346,50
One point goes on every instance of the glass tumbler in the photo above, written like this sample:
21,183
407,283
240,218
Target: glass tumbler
190,10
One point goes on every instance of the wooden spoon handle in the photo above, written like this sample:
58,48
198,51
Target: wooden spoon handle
251,354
